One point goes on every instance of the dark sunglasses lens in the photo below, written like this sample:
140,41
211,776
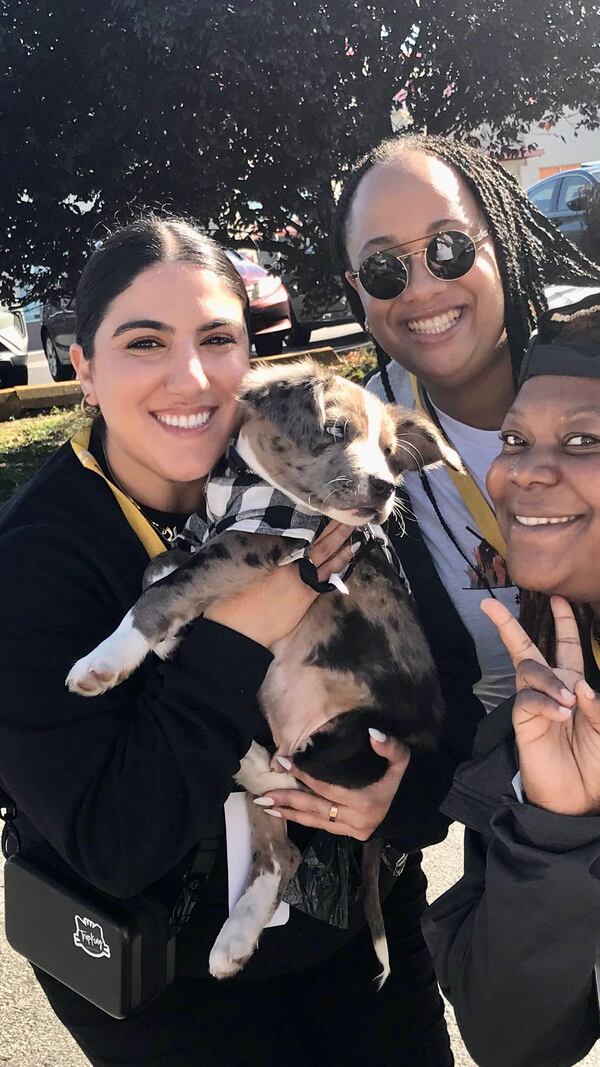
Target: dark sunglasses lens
383,276
450,255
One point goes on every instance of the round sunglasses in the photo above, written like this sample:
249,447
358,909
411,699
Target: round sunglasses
449,255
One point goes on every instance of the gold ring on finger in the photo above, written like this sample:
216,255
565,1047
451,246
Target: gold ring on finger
333,813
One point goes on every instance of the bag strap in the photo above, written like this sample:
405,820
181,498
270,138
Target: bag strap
11,841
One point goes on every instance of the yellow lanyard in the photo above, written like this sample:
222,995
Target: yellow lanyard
139,524
595,648
474,500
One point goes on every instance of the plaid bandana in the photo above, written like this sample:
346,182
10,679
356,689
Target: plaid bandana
238,499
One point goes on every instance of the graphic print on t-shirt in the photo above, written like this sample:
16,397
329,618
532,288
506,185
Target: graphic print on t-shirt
489,570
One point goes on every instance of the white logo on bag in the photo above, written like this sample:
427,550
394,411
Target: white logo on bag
90,937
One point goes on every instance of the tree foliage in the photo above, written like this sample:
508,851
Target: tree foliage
244,113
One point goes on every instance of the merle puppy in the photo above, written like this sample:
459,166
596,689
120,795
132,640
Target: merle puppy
355,661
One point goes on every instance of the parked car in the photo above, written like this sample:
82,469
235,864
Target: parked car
57,334
269,318
307,313
313,315
13,348
269,304
562,198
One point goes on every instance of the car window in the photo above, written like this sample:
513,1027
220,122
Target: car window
572,187
542,196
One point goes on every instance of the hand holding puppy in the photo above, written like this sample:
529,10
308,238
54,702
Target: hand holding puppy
358,812
270,609
556,715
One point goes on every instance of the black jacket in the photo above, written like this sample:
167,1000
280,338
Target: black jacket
416,807
515,940
121,788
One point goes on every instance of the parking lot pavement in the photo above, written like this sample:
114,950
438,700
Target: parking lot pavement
32,1037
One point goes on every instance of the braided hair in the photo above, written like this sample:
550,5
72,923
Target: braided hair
531,253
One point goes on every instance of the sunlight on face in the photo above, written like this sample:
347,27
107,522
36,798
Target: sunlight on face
549,469
168,359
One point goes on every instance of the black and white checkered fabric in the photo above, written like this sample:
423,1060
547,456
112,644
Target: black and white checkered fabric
238,499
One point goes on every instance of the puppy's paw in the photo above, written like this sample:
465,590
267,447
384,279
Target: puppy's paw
255,774
90,677
109,663
232,949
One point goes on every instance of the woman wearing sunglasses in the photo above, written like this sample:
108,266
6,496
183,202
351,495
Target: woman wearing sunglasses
516,941
447,264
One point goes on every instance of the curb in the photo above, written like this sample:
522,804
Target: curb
21,398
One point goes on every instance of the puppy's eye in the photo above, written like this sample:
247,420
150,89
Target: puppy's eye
334,430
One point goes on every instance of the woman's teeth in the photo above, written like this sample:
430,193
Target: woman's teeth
439,324
528,520
185,422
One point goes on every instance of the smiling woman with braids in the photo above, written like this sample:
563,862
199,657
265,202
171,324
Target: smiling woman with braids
448,265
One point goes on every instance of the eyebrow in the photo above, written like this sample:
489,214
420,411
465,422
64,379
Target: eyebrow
163,327
389,241
569,413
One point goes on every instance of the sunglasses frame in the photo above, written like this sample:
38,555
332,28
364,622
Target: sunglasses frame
479,236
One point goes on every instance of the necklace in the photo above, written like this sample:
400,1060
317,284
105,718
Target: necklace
167,532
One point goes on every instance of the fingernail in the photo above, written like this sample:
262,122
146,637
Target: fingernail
566,694
565,711
285,762
264,802
377,734
355,547
275,814
587,691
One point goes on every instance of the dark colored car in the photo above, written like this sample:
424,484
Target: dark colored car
314,314
562,198
57,333
269,318
13,348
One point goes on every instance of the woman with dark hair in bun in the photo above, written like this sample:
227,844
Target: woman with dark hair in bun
119,792
516,941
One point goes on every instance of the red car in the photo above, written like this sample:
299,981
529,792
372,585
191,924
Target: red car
269,305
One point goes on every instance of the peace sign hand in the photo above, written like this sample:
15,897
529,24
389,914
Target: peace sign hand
556,715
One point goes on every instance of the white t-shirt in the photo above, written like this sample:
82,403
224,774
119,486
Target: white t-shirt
477,449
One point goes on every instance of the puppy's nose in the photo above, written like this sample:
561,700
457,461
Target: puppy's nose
379,488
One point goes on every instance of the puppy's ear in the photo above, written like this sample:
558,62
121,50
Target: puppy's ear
291,397
419,442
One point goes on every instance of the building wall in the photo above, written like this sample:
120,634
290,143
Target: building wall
562,147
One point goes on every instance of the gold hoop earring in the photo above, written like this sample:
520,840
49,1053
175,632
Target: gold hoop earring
91,411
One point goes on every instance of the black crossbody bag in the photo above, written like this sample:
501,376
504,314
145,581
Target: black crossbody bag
117,954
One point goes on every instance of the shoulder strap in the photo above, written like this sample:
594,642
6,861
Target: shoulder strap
474,500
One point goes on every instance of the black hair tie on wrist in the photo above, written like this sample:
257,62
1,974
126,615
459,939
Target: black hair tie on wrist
308,574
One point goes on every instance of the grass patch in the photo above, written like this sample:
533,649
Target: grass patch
26,442
359,364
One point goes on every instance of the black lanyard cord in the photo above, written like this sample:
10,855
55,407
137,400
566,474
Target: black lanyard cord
480,574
